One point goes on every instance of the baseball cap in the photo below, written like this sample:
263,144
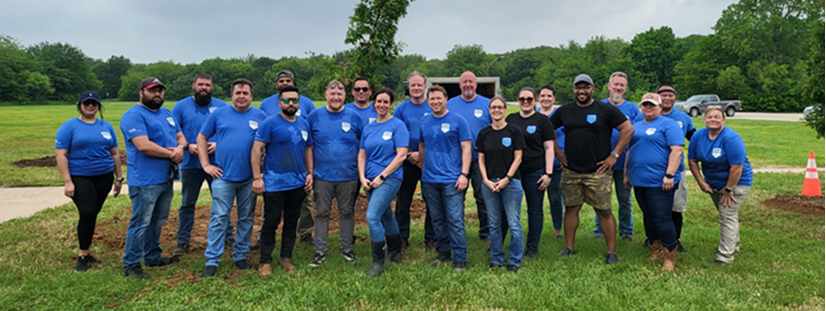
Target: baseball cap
151,82
285,74
651,98
89,95
583,78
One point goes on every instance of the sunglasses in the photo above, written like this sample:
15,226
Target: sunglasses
361,89
288,100
525,99
498,107
90,103
335,86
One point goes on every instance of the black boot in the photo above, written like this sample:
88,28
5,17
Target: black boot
378,259
394,248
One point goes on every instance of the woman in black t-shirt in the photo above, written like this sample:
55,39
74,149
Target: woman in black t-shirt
500,148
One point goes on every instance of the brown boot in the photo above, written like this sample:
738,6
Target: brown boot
670,259
286,264
265,271
656,249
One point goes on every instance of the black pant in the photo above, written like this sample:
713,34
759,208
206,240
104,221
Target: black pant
404,198
288,202
90,193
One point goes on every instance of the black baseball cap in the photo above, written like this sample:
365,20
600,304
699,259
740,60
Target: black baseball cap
151,82
89,95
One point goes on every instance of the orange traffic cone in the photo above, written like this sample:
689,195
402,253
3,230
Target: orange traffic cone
811,185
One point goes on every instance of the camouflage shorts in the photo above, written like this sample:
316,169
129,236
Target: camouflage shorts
593,189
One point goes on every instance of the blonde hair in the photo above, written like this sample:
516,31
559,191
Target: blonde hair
705,114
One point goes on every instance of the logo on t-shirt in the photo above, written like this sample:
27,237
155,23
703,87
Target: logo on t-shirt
506,141
716,152
650,131
304,135
106,135
680,123
531,129
477,113
371,120
298,112
387,135
345,126
170,120
253,125
211,109
445,127
591,118
426,113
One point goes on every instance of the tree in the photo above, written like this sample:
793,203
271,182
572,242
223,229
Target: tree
20,77
815,92
465,58
110,73
653,57
166,71
66,67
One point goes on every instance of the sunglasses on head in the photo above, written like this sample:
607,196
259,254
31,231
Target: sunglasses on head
335,86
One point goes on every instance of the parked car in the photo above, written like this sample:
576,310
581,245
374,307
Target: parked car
697,105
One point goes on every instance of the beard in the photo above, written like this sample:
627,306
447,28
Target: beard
288,112
587,99
616,98
151,103
202,100
468,94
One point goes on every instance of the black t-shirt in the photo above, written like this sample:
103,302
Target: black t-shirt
587,133
498,147
536,130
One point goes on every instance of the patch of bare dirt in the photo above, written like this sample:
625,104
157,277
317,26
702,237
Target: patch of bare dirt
798,204
50,161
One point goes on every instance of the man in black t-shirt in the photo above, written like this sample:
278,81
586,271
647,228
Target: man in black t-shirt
588,159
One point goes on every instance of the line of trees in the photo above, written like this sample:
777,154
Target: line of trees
767,53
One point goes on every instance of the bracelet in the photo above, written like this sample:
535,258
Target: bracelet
464,174
119,179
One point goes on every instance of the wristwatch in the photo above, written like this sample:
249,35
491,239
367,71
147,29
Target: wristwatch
464,174
182,147
669,176
381,177
615,154
509,177
727,189
550,175
119,179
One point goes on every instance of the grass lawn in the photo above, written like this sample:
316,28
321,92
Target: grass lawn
781,267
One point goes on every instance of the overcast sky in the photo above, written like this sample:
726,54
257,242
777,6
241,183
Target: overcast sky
190,31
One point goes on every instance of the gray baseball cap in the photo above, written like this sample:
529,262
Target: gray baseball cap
583,78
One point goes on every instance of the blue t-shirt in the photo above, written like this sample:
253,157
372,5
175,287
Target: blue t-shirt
411,115
335,144
368,115
717,156
442,139
682,119
88,146
270,106
380,141
475,112
631,112
560,139
650,148
160,127
284,166
190,117
234,132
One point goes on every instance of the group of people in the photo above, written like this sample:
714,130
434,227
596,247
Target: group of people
299,158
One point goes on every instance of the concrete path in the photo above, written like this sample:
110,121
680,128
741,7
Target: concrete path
771,116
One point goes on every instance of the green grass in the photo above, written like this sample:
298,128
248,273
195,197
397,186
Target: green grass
781,267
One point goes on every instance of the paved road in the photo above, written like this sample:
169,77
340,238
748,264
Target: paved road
794,117
25,201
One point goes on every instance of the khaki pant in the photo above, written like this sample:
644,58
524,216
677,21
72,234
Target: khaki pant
305,219
729,224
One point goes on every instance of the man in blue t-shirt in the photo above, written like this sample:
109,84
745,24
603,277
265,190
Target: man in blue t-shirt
289,156
233,128
336,132
190,114
154,148
411,112
474,108
444,148
361,101
272,107
617,84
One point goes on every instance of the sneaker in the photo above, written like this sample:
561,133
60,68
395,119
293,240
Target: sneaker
82,266
513,268
209,272
567,252
628,238
442,258
611,259
430,245
680,248
136,272
458,266
349,256
242,264
530,254
165,261
181,250
256,246
317,259
494,265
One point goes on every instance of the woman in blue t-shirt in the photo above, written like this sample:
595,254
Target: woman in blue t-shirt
86,149
726,175
382,150
651,166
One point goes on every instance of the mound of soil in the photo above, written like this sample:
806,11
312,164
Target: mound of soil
797,203
49,161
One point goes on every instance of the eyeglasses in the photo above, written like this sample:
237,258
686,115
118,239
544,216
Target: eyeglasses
361,89
285,81
335,86
498,107
288,100
525,99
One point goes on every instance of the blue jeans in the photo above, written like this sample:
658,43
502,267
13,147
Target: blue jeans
509,200
656,206
447,207
475,181
191,181
626,217
534,199
412,175
223,193
380,218
150,208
